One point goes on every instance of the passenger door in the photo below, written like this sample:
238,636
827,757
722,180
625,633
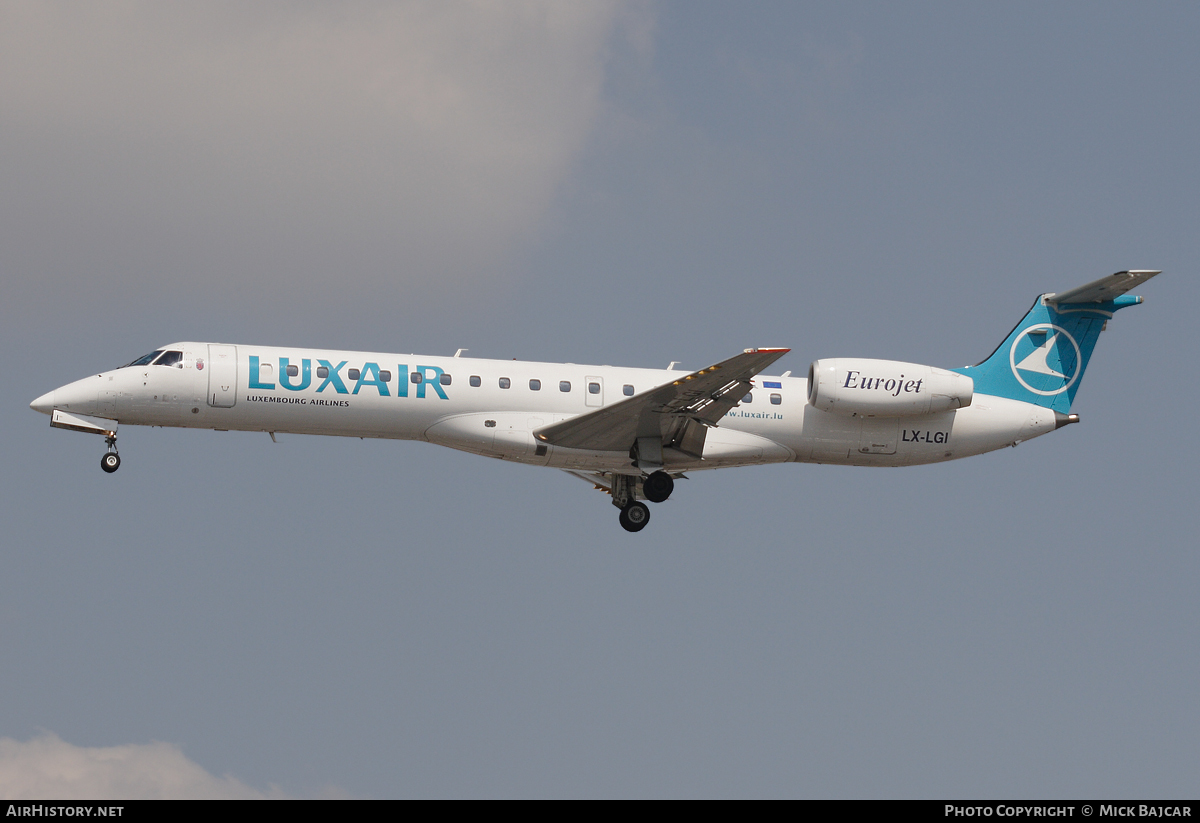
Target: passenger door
222,376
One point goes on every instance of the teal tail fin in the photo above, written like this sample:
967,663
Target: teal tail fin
1043,359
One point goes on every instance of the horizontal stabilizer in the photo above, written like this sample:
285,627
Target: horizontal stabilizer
1042,360
1104,289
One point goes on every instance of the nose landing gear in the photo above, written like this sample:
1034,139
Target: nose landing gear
111,461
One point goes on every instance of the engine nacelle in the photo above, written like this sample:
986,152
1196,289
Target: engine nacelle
885,388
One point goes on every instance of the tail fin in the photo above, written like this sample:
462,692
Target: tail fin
1043,359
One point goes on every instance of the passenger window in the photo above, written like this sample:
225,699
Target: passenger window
322,372
171,358
415,377
564,385
776,399
593,388
352,374
749,398
535,385
385,376
444,379
265,371
505,382
627,390
475,381
293,371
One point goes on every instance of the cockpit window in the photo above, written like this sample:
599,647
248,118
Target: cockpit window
170,358
144,360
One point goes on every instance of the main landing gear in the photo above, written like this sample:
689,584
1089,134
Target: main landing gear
658,486
111,461
635,514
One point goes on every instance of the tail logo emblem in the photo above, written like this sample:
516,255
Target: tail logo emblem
1046,365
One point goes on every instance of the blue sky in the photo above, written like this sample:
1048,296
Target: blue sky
606,183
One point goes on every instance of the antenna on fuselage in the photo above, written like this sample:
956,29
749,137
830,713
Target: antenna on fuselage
460,351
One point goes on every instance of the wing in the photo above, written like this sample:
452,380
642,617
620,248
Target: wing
597,480
1106,288
679,412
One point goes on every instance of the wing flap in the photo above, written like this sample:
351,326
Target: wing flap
1106,288
677,411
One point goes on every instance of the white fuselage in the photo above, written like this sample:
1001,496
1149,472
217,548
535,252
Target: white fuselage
462,403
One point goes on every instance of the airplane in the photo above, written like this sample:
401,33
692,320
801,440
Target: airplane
630,432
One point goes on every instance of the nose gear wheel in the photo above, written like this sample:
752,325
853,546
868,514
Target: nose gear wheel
111,461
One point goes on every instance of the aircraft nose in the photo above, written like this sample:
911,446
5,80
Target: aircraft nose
44,404
78,397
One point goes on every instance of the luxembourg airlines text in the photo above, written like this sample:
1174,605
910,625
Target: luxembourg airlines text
298,401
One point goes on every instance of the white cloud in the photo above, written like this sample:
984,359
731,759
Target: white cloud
372,144
48,767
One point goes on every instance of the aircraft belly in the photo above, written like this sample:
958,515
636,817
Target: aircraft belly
310,413
360,417
726,446
827,437
989,423
504,435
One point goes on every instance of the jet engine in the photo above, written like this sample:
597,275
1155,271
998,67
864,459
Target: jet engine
885,388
